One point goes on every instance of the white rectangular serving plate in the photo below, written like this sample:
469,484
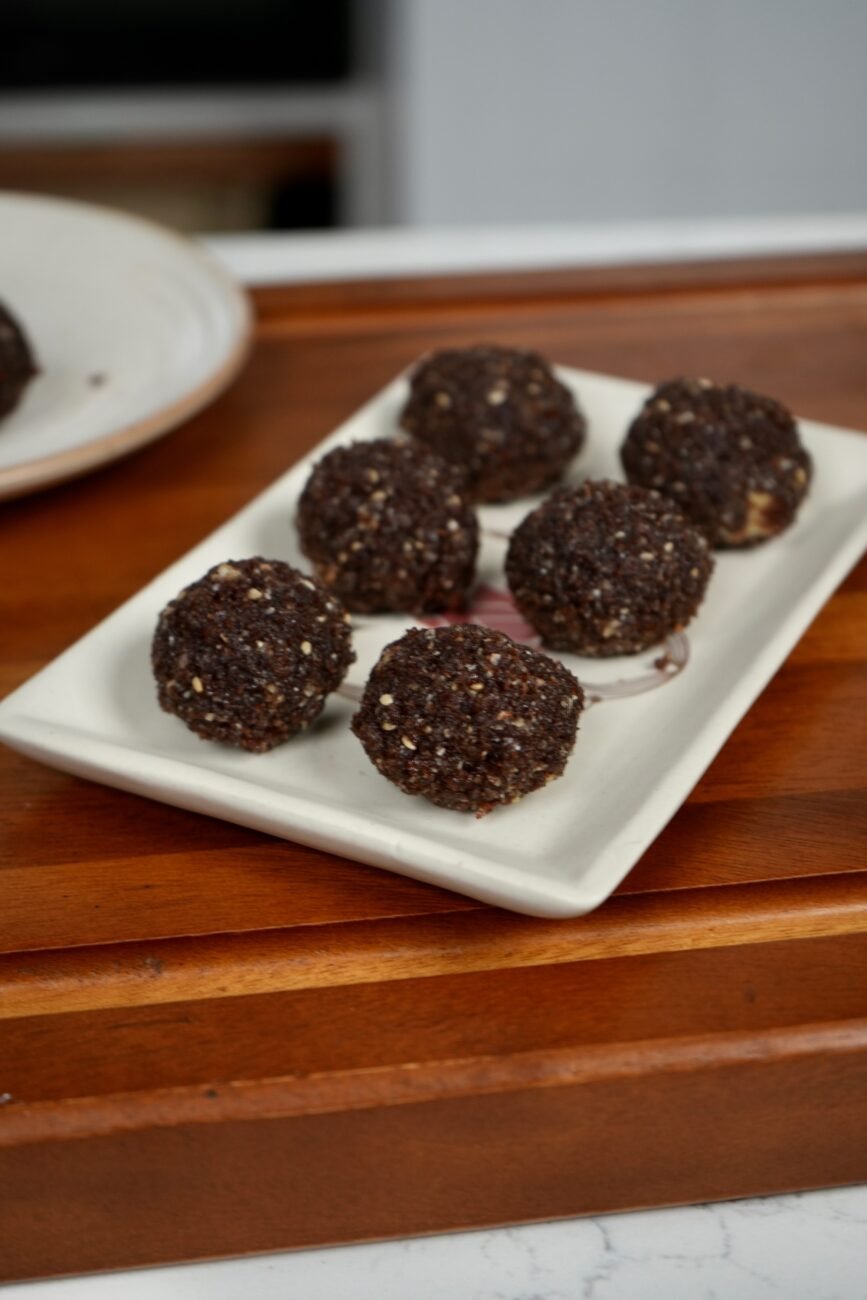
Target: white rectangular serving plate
561,851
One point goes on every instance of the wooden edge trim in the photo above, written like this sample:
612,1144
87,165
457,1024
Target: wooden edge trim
177,970
410,1083
627,279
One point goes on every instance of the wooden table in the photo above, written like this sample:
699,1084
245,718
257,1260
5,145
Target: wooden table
214,1042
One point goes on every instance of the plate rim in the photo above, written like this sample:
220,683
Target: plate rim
59,467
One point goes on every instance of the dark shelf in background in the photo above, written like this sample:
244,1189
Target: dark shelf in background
95,44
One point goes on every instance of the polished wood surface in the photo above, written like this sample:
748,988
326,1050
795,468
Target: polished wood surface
212,1041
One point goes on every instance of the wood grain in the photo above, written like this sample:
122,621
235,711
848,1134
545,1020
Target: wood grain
309,1179
215,1042
159,972
310,1032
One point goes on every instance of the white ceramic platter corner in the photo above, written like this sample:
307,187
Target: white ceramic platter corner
562,850
134,329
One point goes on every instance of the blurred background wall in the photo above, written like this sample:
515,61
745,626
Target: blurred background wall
582,109
268,114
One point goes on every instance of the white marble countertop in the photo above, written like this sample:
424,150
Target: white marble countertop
811,1246
265,258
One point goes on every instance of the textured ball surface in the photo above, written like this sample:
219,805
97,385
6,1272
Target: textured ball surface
17,366
607,569
388,526
731,459
500,414
467,718
248,654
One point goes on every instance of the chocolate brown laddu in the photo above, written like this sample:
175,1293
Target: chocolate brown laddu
17,366
248,654
607,569
388,526
467,718
731,459
497,412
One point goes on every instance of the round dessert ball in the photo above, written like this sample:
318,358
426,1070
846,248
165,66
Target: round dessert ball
17,366
607,569
731,459
468,718
500,414
247,654
388,526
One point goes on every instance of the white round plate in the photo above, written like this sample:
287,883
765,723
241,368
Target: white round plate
134,328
